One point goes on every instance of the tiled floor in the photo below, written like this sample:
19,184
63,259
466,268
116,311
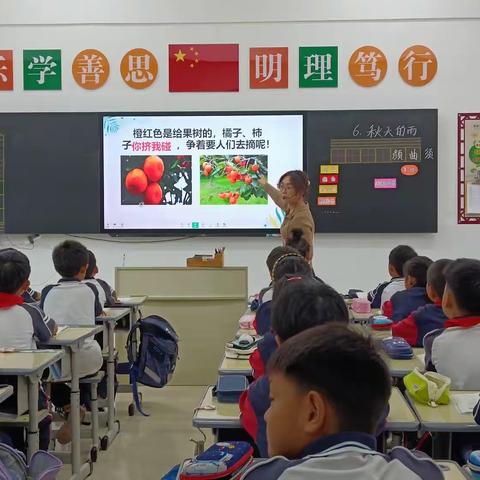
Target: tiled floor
147,447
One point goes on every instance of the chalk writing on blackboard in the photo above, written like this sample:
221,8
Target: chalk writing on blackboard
375,150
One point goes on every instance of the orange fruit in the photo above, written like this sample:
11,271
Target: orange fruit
153,194
136,181
153,168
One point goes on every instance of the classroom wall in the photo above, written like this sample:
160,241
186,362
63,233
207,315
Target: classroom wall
449,28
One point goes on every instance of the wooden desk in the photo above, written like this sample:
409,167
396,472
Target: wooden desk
452,470
30,364
114,314
363,317
5,392
227,415
224,415
132,301
231,366
72,339
400,368
133,304
444,419
401,417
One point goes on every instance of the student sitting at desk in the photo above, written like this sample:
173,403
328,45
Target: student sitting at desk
328,389
106,293
454,351
396,260
267,344
403,303
300,304
266,293
289,263
21,324
73,303
430,316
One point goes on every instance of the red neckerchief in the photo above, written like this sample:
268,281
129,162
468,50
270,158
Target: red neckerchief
438,303
8,300
464,322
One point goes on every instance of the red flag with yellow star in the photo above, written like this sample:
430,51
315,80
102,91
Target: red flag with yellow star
211,67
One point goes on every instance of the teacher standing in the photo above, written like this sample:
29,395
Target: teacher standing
291,196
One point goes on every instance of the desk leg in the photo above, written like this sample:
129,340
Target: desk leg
75,411
450,438
33,440
113,426
441,445
132,318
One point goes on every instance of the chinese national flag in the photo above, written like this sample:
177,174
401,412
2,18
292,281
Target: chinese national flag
203,67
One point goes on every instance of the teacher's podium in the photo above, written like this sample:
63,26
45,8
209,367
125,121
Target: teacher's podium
202,304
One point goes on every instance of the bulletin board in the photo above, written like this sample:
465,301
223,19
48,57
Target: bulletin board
468,168
373,171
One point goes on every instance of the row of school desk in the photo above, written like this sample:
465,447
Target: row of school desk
31,364
405,414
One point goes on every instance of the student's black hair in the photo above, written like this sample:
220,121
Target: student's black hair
342,365
399,256
299,181
275,254
436,275
92,263
69,257
417,268
14,270
297,241
300,303
291,264
463,280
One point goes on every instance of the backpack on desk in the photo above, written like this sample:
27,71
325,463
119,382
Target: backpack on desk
152,361
222,461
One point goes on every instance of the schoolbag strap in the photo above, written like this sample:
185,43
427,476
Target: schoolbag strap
136,396
131,340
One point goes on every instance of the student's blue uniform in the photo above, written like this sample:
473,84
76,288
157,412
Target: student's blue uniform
375,295
259,358
422,321
262,318
407,301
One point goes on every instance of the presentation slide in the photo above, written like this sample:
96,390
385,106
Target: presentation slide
196,171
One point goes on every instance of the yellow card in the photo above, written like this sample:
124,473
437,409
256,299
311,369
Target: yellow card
328,168
330,189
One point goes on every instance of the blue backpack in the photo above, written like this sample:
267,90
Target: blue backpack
153,360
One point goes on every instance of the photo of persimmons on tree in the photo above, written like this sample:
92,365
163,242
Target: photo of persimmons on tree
232,179
156,180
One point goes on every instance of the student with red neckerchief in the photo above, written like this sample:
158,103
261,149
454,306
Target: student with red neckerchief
454,351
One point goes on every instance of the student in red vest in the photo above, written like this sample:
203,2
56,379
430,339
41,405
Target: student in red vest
430,316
